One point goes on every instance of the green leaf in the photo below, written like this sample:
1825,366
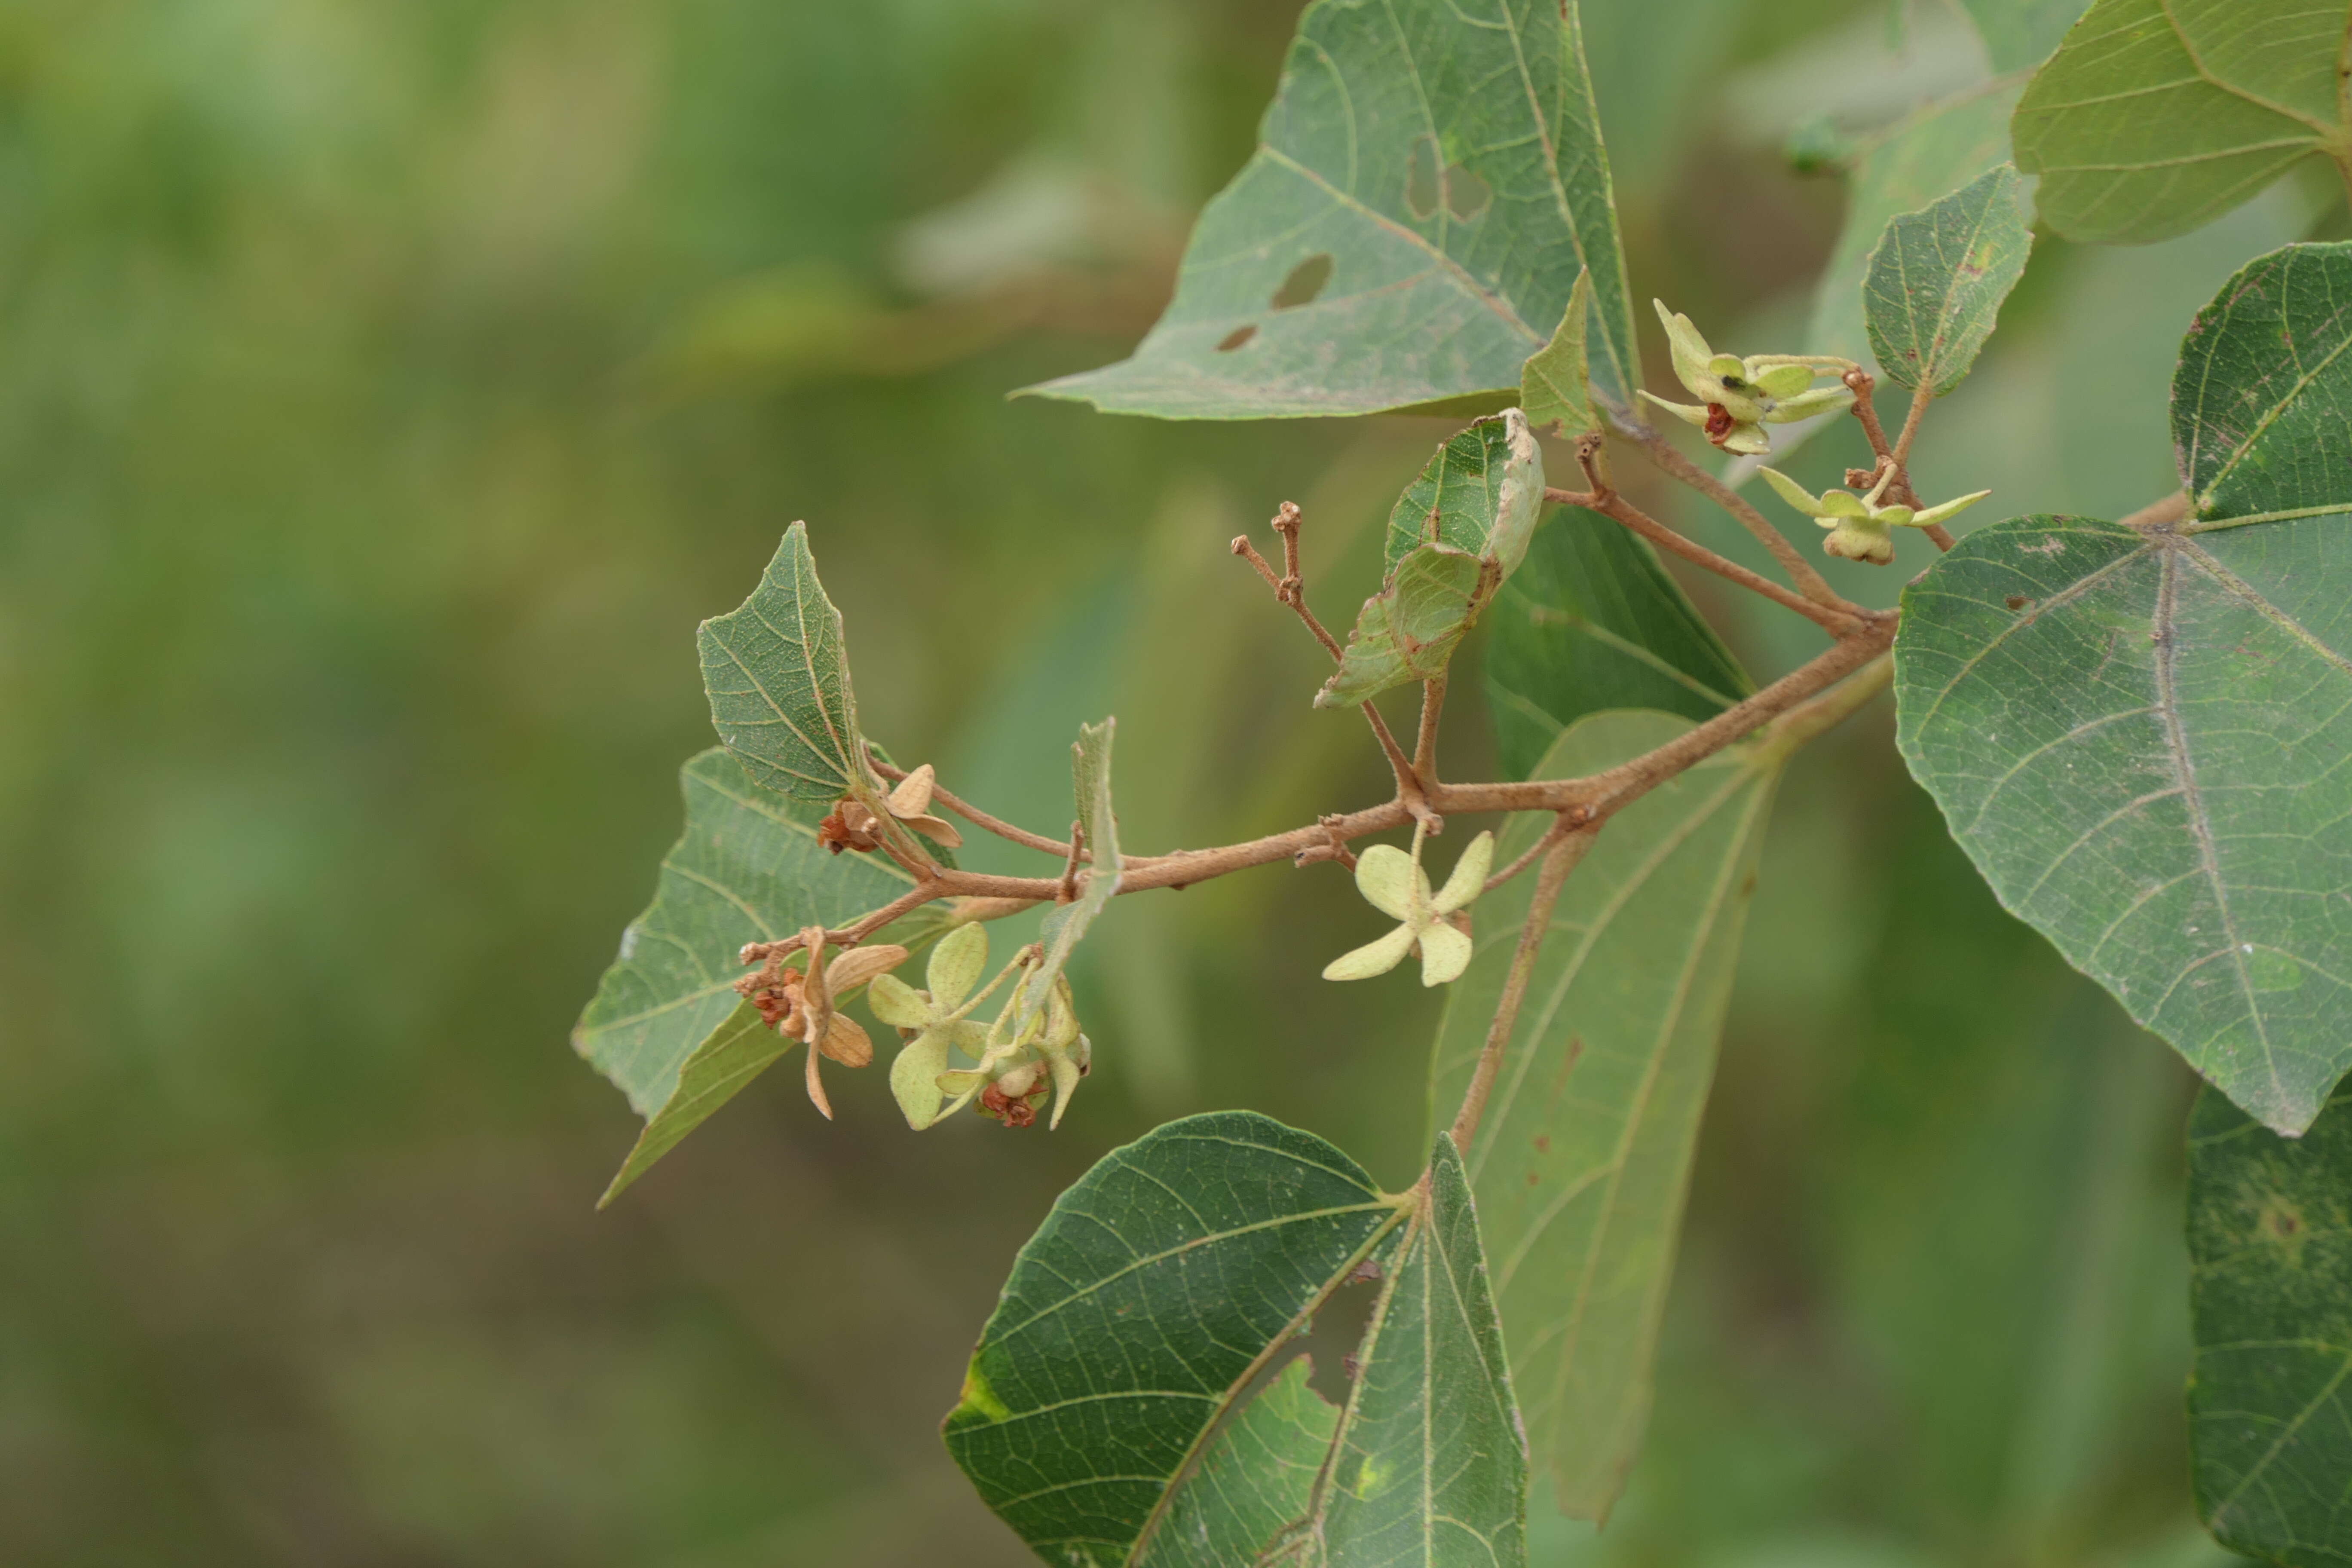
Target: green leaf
1090,784
1424,1466
2018,33
2157,116
2270,1401
748,867
1555,387
1593,621
1161,1282
1939,149
2138,736
1455,535
777,673
1428,183
1582,1160
1937,278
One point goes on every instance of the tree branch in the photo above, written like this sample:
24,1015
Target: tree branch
1612,504
1810,583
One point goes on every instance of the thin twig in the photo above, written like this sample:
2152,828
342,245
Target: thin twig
1920,398
1564,823
2159,514
1424,750
978,818
1068,889
1897,456
1559,861
1810,583
1614,505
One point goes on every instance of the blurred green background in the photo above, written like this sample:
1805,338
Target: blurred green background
386,391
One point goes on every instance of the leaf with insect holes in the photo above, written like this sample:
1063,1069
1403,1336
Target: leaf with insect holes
1592,621
1582,1159
1138,1314
777,672
2139,735
2156,117
1938,279
2270,1396
1429,183
748,867
1454,536
1555,388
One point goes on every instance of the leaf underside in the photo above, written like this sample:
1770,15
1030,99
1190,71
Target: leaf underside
1937,278
1431,172
2270,1401
2141,737
1591,621
2157,116
1582,1160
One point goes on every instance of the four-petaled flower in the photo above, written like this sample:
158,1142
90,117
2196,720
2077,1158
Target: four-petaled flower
1393,883
933,1021
1738,396
1858,523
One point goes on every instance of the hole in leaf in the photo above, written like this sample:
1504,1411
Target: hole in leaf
1467,195
1423,180
1304,282
2018,601
1236,338
1337,1335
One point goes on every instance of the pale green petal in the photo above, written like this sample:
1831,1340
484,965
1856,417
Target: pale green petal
1950,509
969,1036
964,1080
914,1078
1388,878
1805,405
1066,1083
897,1002
1743,408
1444,954
957,964
1893,517
1682,411
1690,351
1469,879
1726,367
1790,491
1783,382
1372,958
1838,503
1746,440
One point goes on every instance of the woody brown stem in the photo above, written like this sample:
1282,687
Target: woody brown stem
1896,455
1565,823
1616,507
1810,583
1424,750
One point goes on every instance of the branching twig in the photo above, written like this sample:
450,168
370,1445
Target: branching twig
1565,823
1810,583
1559,861
1899,454
976,817
1291,589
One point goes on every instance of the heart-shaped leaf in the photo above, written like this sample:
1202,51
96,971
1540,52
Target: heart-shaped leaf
2139,735
2156,117
1429,182
1937,278
777,673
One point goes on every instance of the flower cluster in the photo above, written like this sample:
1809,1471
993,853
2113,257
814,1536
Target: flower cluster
1858,524
1738,398
1029,1048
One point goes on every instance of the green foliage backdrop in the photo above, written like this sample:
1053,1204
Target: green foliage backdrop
390,390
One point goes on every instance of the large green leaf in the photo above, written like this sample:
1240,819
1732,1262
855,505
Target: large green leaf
2020,33
2140,735
1454,536
1582,1159
1136,1317
2157,116
1592,621
777,673
1935,151
2270,1403
1424,1466
1428,182
1937,278
748,867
